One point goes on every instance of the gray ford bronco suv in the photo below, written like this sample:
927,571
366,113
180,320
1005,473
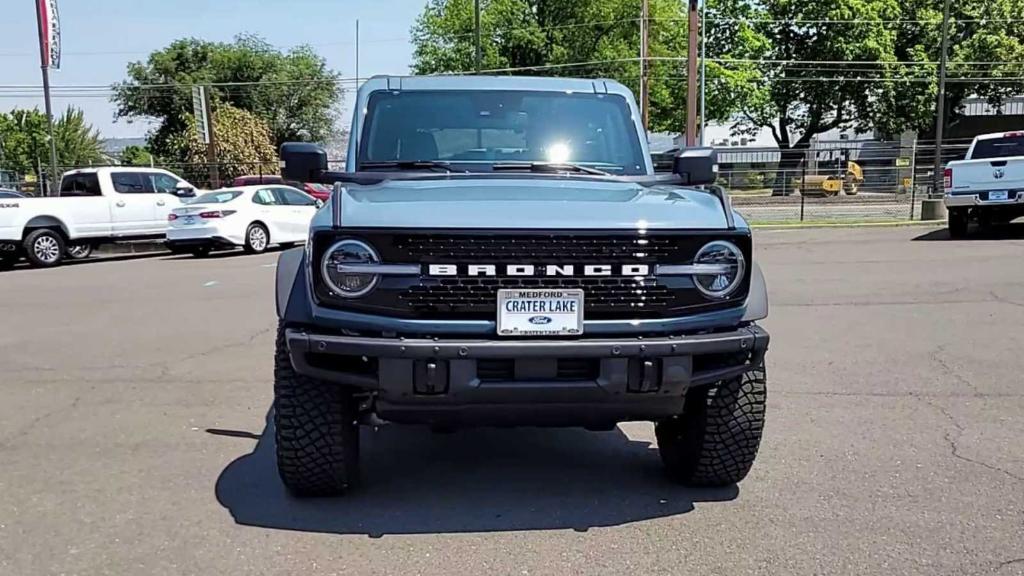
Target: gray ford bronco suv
500,252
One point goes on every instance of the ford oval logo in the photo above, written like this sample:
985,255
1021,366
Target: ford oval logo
540,320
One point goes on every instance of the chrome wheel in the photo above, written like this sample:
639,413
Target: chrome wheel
257,238
80,252
46,249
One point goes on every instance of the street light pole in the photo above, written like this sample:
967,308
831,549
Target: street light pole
703,68
44,64
476,23
645,99
940,113
691,77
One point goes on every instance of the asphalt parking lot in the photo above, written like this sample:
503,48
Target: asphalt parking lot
134,396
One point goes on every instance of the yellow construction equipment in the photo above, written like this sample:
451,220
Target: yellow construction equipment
833,184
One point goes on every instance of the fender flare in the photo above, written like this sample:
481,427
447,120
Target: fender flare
290,278
757,297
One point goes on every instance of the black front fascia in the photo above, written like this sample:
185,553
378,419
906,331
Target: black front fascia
475,298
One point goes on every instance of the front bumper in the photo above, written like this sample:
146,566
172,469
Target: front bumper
527,382
981,199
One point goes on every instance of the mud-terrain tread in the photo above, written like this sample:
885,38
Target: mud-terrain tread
715,441
316,431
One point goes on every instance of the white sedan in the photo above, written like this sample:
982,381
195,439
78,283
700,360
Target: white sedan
252,217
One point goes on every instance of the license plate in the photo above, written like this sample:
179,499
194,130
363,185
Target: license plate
540,312
190,219
999,195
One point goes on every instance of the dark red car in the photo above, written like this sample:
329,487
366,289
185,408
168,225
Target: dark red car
321,192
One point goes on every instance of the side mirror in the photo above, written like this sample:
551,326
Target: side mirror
184,190
696,166
302,161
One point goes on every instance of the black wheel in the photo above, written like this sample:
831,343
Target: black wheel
79,251
256,238
959,219
200,251
44,248
316,430
715,441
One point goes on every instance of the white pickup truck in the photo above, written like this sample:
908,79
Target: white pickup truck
95,206
988,185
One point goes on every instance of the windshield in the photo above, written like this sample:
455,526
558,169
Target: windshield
999,148
218,197
474,129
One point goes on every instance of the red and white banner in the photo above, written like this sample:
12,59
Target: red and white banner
49,22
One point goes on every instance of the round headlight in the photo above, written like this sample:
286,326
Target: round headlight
727,274
345,282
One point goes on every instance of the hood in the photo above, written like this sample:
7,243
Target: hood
528,203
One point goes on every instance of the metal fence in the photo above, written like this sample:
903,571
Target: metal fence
834,181
767,185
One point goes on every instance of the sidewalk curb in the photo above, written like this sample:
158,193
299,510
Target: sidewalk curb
895,224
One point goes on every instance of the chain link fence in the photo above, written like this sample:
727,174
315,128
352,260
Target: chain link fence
831,181
834,181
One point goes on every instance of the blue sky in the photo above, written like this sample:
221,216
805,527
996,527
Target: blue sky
101,36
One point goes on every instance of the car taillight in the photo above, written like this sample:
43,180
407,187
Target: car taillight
216,214
172,217
947,179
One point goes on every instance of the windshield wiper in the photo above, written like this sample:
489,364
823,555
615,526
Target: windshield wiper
548,167
407,165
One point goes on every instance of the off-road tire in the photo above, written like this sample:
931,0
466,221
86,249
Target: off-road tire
252,245
715,441
959,220
316,431
53,240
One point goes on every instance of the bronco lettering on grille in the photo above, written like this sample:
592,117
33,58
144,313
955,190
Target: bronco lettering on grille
551,270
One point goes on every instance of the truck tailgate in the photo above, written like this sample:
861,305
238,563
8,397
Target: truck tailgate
987,174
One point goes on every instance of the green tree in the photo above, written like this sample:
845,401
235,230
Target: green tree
553,36
802,67
24,139
244,146
986,49
78,144
137,156
293,92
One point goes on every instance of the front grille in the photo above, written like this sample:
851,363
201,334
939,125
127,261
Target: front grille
602,296
465,297
536,249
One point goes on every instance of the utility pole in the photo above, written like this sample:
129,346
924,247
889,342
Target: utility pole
44,62
476,24
691,77
357,53
211,146
645,98
703,68
940,113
